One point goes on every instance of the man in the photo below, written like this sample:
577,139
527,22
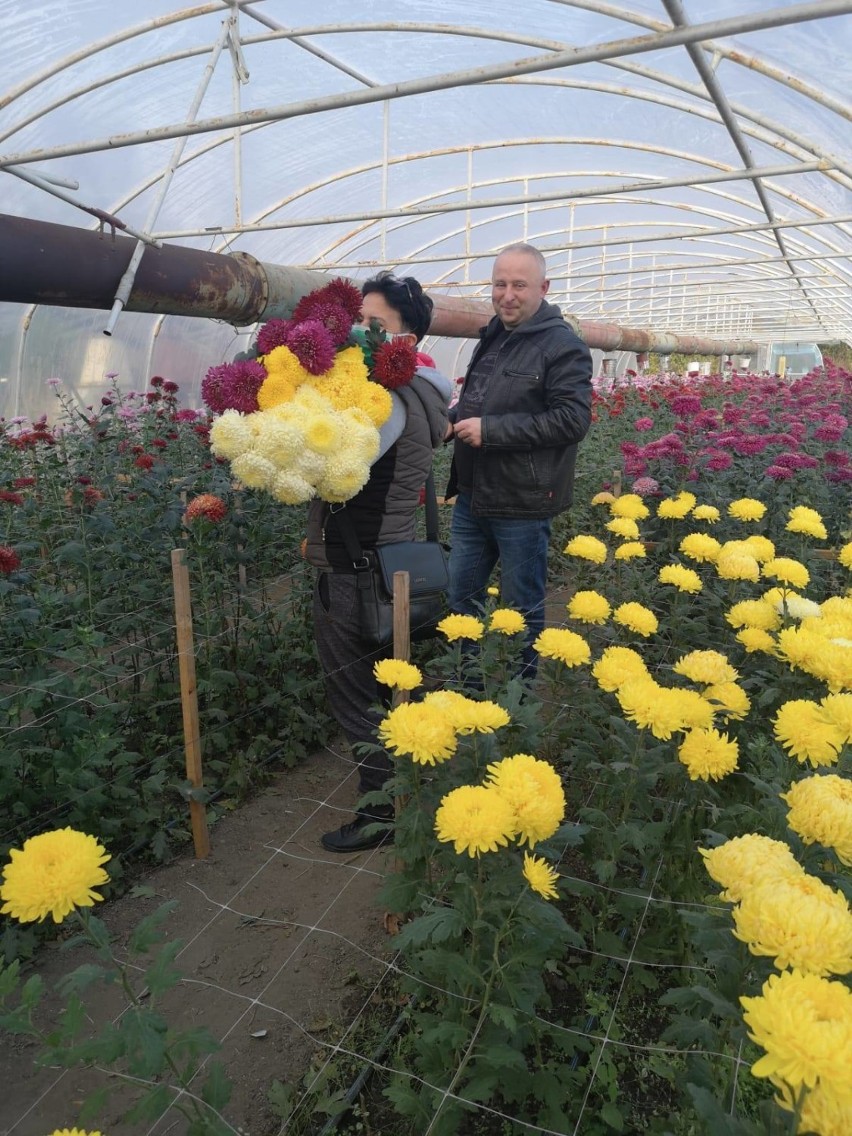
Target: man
524,407
384,511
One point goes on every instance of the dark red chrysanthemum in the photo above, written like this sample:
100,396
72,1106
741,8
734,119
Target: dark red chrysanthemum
26,482
144,461
394,364
170,388
207,505
11,498
311,343
233,386
334,318
186,416
9,560
153,396
341,292
157,380
159,443
273,334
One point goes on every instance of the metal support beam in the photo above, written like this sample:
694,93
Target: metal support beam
613,49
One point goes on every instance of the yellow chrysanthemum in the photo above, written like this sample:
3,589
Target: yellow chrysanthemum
706,667
345,475
746,509
461,627
276,390
806,521
760,547
708,755
349,364
322,433
291,488
838,709
728,700
72,1132
602,498
820,811
636,618
465,715
754,613
566,646
475,819
801,923
788,571
700,547
629,505
802,1023
625,527
375,401
507,621
52,874
253,470
540,876
657,708
397,673
631,550
533,790
826,1110
732,565
281,361
676,508
805,730
419,731
707,513
492,590
755,639
746,862
618,665
589,607
230,435
586,548
816,652
844,556
684,579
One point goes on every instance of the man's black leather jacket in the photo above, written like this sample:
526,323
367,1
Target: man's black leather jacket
537,408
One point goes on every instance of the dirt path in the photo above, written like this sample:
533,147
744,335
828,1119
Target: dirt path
279,936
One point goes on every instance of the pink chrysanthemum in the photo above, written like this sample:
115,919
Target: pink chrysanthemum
273,334
312,344
233,386
645,486
779,472
9,560
643,424
394,364
685,405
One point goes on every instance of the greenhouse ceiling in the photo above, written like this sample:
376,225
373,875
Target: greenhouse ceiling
683,164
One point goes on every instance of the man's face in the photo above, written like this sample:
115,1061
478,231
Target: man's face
517,287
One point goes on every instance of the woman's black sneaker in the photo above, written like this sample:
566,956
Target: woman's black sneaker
359,834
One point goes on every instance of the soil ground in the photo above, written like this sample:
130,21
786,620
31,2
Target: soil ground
279,936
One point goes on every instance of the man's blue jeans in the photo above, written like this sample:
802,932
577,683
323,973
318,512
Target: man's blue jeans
520,546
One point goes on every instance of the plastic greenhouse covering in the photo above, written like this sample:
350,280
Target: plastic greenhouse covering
683,164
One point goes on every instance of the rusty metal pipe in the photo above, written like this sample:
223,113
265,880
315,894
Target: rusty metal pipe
43,263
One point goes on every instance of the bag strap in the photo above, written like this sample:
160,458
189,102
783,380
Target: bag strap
350,538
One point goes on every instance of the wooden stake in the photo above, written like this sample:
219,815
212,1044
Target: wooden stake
189,699
616,483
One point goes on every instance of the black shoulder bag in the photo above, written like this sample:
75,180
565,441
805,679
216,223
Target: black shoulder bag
425,561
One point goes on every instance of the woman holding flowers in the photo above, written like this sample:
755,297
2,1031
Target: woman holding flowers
382,512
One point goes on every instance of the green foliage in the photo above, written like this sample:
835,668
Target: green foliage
92,731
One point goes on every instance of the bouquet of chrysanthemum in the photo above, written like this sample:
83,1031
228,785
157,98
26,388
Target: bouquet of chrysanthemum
303,418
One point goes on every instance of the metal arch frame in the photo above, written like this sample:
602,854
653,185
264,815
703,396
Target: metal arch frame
804,222
793,14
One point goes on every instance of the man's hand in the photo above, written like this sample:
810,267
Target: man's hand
469,430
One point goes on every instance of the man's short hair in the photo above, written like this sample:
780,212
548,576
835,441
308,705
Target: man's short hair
406,297
529,250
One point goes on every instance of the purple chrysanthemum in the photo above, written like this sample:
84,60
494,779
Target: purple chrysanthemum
233,386
273,334
780,472
312,344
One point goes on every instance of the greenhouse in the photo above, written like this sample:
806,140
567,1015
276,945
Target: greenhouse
598,879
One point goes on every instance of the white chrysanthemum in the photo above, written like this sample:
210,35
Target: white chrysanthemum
310,465
345,474
799,607
253,470
362,436
290,489
277,440
230,435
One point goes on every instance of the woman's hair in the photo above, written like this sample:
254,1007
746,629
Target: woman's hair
406,297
